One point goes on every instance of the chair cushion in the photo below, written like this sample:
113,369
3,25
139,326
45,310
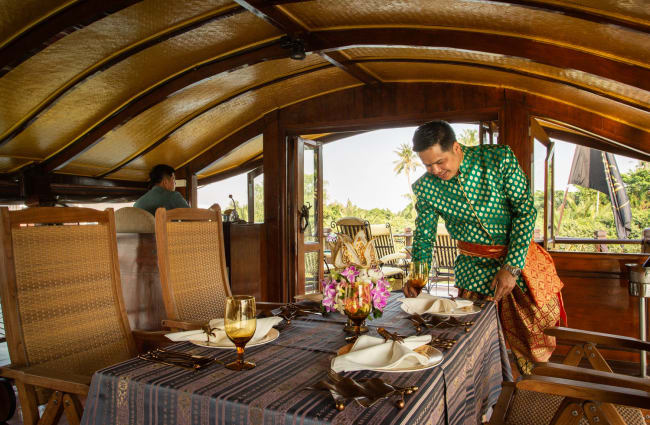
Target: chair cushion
134,220
391,271
532,408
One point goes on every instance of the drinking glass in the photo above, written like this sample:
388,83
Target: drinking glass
240,324
357,304
418,275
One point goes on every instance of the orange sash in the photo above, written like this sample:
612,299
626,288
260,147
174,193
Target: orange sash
539,272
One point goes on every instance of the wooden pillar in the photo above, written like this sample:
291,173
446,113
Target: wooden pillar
645,243
189,192
601,234
514,129
35,188
276,213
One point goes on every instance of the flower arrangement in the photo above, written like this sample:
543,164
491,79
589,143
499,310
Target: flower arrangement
355,291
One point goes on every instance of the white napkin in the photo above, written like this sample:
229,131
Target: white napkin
263,327
425,303
370,352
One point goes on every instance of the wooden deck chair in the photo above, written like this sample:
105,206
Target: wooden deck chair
445,253
568,394
62,305
192,265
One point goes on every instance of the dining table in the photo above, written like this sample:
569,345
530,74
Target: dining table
459,390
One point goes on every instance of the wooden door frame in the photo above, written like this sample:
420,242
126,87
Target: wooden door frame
296,148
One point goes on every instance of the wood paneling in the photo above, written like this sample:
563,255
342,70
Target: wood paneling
247,260
514,122
596,296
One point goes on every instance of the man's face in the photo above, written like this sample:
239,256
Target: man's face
169,182
441,164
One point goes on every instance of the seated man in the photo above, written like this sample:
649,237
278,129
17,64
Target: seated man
162,194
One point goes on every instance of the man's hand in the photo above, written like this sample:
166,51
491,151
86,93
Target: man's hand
409,291
503,283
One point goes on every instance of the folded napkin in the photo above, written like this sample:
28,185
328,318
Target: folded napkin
425,303
370,352
263,327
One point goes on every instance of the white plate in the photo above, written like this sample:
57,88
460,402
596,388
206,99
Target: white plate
271,336
470,309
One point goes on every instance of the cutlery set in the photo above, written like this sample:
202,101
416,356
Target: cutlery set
178,358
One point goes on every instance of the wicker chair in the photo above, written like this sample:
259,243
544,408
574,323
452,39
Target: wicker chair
392,262
568,394
56,338
192,265
445,253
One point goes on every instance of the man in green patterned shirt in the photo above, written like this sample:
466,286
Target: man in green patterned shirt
482,195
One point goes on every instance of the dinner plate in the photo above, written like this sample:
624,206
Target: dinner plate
464,311
426,350
271,336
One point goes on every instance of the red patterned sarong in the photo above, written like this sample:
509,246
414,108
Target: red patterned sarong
524,316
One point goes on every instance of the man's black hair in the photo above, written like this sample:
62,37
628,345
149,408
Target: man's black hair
158,173
434,133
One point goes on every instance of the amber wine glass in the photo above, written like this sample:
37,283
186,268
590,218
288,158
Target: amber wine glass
418,275
240,324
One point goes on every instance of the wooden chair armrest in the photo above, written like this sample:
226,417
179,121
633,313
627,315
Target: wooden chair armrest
590,375
147,340
180,325
391,257
585,390
503,403
598,338
48,378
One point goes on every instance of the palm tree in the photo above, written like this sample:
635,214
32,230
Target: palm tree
469,137
407,164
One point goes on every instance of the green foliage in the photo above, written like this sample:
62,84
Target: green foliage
587,211
469,137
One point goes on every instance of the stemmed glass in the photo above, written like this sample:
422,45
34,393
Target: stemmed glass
240,324
357,304
418,275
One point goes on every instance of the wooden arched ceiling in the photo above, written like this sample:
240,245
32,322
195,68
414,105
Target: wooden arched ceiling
166,81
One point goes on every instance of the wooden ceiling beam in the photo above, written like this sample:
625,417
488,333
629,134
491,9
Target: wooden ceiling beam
36,37
157,94
228,144
537,51
585,140
187,120
297,34
340,39
584,13
203,111
247,166
106,63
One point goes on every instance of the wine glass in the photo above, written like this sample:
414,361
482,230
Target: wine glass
240,324
418,275
357,305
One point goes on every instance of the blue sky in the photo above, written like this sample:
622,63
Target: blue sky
360,168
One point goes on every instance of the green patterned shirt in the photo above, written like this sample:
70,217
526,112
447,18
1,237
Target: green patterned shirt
498,191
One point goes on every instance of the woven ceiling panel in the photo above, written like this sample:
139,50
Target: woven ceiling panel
18,15
38,78
9,164
583,79
136,135
491,17
630,10
108,91
411,72
249,150
204,132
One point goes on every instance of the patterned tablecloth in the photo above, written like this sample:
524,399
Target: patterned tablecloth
458,391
